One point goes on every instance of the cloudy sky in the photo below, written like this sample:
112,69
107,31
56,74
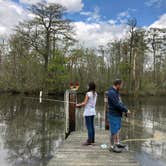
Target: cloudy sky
96,21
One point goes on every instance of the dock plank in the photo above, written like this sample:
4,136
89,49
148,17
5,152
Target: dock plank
72,153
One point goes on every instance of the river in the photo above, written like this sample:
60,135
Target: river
30,131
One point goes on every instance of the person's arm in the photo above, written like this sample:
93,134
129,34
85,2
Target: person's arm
118,106
84,102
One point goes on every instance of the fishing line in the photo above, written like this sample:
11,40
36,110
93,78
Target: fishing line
124,141
138,123
63,101
143,139
46,99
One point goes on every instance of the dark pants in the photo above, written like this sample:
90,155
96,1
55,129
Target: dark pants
90,127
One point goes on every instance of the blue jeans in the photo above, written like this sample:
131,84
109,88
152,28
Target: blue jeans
90,127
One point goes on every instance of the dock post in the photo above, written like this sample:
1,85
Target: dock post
106,109
70,110
40,96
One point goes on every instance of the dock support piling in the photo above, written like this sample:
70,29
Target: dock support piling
70,110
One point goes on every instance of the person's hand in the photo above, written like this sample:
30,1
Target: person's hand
78,105
128,113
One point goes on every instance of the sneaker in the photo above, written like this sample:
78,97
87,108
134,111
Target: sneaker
93,141
121,145
93,144
115,149
87,143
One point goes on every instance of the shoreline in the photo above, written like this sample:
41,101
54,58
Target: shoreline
123,93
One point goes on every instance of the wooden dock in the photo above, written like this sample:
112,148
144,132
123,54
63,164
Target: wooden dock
72,153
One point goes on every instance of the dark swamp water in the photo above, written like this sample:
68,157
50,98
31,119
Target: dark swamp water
30,132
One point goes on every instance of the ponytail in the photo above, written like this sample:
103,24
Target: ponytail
92,88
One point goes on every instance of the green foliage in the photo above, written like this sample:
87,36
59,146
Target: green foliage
124,68
58,75
27,76
148,88
41,58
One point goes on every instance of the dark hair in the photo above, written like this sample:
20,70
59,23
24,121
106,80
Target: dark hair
117,82
92,87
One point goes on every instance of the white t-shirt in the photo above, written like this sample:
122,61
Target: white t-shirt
90,107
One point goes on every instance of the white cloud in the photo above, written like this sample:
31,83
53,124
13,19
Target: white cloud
95,15
30,1
91,34
112,21
2,30
123,14
95,34
85,13
70,5
155,3
92,16
123,17
161,23
10,14
95,31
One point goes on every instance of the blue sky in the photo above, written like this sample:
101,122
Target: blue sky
96,22
145,11
109,9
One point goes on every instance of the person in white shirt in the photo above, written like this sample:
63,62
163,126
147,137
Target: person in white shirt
89,105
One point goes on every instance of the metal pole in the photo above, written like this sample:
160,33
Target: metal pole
106,110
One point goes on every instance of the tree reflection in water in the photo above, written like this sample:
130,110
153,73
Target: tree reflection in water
148,121
31,131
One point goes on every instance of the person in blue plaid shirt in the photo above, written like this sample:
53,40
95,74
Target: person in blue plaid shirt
116,110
